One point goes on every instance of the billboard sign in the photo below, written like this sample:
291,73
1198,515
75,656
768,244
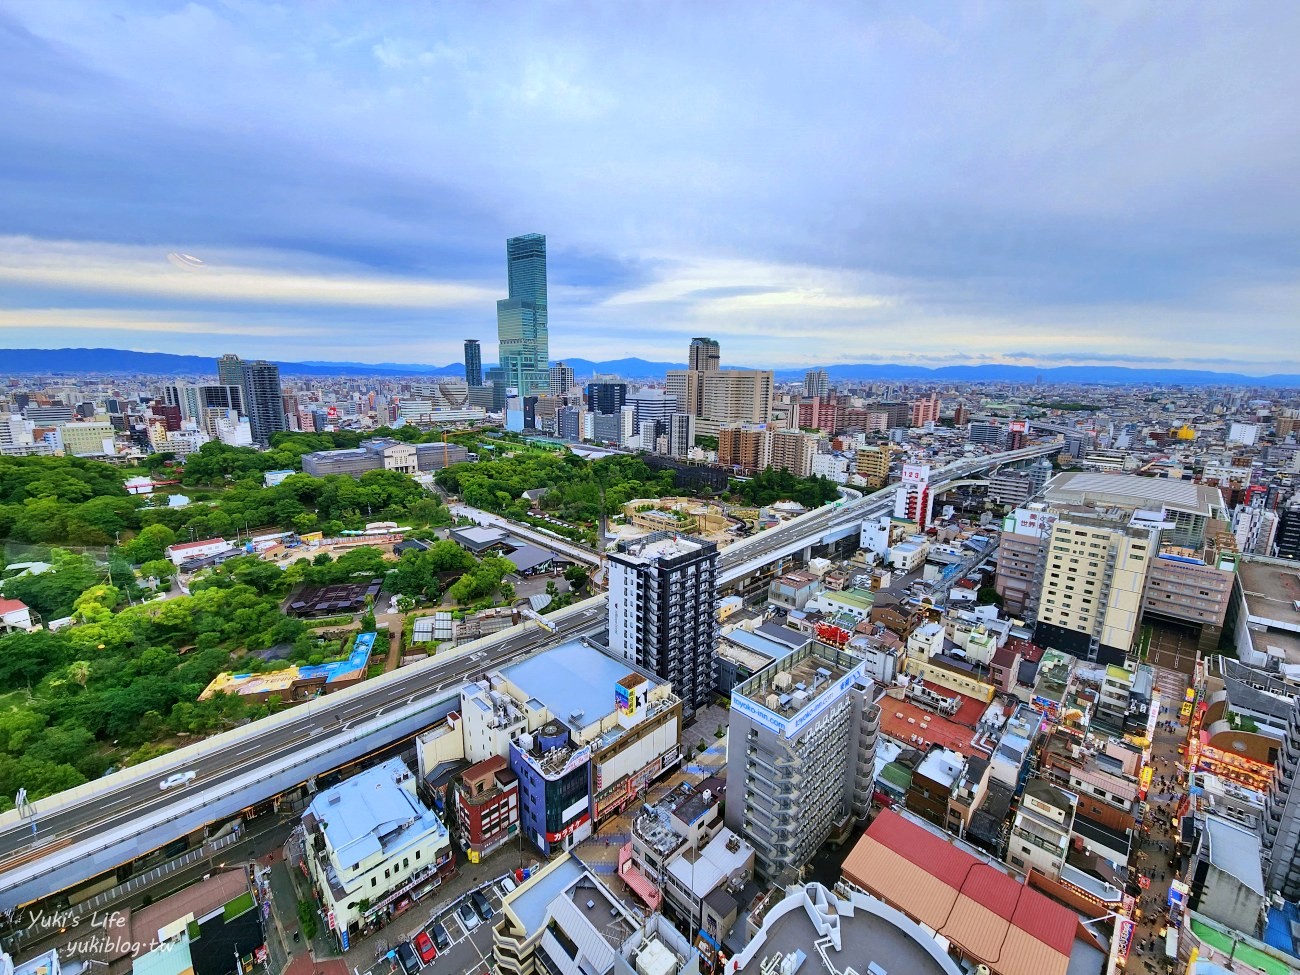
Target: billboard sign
916,473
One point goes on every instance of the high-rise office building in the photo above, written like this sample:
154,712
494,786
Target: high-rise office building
522,332
263,400
816,383
653,406
705,355
606,397
230,370
801,755
473,363
662,610
561,379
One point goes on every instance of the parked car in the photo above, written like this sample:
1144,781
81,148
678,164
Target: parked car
440,936
481,905
177,778
508,883
424,948
467,916
406,958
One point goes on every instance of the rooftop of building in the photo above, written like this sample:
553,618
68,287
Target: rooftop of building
566,887
973,904
663,546
861,599
941,766
370,813
863,932
787,637
1235,850
575,681
1272,591
494,772
723,858
751,649
796,680
1132,491
797,579
909,723
1049,794
1252,690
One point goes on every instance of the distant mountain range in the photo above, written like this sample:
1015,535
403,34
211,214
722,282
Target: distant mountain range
127,362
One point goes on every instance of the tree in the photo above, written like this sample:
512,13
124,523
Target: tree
79,672
578,577
150,544
52,593
160,569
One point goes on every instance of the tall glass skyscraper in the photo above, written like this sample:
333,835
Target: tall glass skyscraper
522,335
473,363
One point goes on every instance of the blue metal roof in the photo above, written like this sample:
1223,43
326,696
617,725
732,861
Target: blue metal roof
572,677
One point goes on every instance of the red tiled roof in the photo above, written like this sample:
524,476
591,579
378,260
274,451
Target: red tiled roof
1025,908
11,606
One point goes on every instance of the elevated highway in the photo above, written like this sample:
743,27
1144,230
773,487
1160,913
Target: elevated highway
69,838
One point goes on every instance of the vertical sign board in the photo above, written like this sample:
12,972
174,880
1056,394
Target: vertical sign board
1125,936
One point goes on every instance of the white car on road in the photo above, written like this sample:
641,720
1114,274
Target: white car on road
177,778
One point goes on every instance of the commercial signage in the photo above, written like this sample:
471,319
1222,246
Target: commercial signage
333,923
1125,937
1144,783
916,473
568,830
1029,522
1018,426
576,759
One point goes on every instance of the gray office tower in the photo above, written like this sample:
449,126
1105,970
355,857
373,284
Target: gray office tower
705,355
230,370
473,363
522,334
263,400
801,755
663,611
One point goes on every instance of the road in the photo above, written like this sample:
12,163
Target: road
61,831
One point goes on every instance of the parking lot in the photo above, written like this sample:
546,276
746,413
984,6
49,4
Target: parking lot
470,950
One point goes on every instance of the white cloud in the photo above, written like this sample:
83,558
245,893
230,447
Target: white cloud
105,269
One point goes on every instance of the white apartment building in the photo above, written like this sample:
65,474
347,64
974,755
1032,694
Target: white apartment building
368,842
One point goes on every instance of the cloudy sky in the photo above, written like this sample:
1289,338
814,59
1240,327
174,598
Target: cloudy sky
985,181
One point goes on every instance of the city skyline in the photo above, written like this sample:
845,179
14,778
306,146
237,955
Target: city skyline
960,186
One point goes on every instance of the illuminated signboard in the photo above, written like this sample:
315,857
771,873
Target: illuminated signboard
623,699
